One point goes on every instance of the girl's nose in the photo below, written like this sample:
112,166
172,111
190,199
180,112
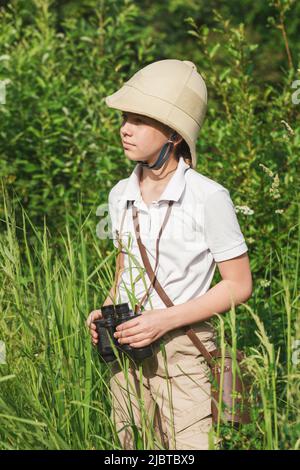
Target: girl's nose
126,129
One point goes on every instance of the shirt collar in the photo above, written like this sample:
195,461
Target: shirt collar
172,191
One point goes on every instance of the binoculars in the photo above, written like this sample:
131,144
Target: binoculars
112,316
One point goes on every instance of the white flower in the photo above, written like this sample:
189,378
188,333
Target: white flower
274,188
244,210
290,130
267,170
265,283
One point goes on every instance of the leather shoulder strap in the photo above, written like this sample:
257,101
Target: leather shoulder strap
157,286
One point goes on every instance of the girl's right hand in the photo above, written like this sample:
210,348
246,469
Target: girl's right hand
94,315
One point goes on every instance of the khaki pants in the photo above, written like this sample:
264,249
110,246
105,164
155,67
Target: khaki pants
169,393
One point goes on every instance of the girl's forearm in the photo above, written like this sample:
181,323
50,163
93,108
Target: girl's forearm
218,299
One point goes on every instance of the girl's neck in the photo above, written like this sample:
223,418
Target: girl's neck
150,177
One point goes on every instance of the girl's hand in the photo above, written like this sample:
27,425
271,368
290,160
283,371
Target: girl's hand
143,330
94,315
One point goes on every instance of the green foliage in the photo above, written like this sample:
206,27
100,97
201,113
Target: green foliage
54,391
57,137
60,155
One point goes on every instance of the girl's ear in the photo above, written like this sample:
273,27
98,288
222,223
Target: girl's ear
177,138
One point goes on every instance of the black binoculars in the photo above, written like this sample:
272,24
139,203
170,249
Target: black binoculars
112,316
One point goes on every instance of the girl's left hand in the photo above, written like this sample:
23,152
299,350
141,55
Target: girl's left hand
143,330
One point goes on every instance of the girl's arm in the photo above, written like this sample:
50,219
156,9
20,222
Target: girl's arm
234,288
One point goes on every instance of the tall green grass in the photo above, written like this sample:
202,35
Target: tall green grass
58,139
54,391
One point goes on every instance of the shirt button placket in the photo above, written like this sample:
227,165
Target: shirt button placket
155,228
146,223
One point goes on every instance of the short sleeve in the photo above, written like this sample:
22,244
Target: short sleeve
221,227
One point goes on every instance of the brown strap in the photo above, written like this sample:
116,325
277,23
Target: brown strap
137,229
119,238
167,215
167,301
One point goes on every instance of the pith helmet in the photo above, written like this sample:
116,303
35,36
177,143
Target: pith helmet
170,91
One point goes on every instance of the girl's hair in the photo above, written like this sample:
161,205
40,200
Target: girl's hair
183,150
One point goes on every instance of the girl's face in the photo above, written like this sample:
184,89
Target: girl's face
142,137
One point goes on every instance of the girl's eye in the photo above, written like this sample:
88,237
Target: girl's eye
136,119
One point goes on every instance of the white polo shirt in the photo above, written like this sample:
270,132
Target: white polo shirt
202,229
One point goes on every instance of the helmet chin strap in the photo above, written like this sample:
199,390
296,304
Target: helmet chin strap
163,156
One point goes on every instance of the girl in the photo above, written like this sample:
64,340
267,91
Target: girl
164,105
